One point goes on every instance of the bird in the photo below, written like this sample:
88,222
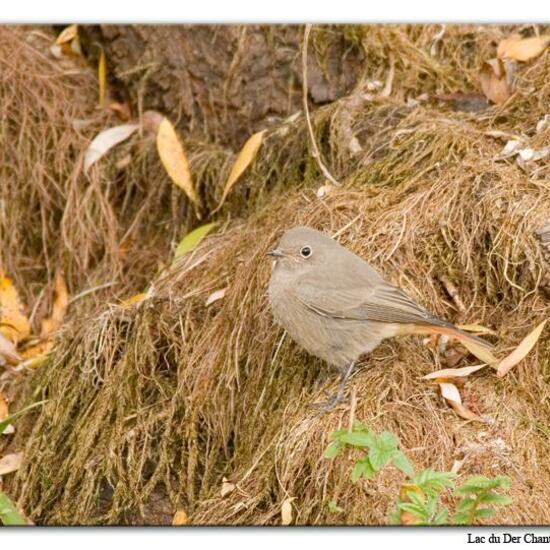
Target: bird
338,307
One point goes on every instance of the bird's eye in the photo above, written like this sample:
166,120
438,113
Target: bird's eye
305,252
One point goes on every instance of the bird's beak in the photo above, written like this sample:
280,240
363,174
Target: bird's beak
275,253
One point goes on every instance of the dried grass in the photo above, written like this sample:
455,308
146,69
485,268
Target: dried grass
151,406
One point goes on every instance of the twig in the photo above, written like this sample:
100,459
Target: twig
314,149
453,293
90,290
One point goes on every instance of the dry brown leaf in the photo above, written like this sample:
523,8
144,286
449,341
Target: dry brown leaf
227,487
10,463
59,309
8,352
286,511
174,159
180,518
524,347
453,373
105,141
102,78
245,157
4,411
67,34
121,110
14,324
494,82
452,396
522,49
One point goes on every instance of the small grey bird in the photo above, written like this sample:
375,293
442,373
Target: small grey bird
337,307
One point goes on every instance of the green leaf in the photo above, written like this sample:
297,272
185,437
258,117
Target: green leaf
333,450
475,484
359,426
465,504
418,511
358,439
432,482
497,500
461,518
9,420
442,517
401,462
363,468
191,240
8,512
333,508
483,513
387,441
338,434
379,457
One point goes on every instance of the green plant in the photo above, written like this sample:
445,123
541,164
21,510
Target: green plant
8,512
419,499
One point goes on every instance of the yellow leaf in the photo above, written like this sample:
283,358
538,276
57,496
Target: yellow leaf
481,352
474,327
33,356
67,34
453,373
136,299
173,158
246,156
522,49
286,511
14,325
102,77
4,412
180,518
10,463
59,309
524,347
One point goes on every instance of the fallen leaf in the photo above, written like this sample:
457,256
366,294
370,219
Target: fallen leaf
180,518
452,396
14,324
33,356
67,34
524,347
215,296
102,77
3,408
59,308
324,190
121,110
494,82
478,329
10,463
135,299
227,487
106,140
8,352
481,352
286,511
192,240
173,158
245,157
542,124
522,49
453,373
510,149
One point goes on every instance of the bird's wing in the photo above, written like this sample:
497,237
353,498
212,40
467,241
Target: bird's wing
383,302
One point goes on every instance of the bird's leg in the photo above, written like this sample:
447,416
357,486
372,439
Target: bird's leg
339,396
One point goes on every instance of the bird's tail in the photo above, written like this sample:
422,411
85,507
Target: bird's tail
476,345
